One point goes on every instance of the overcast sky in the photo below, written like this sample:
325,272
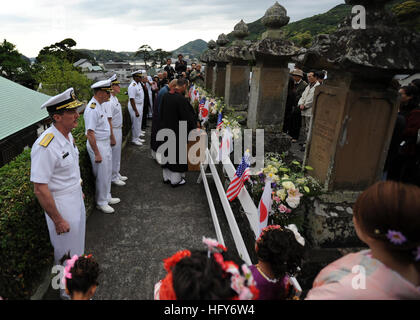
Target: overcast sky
125,25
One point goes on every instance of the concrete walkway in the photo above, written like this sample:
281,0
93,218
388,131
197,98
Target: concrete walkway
152,222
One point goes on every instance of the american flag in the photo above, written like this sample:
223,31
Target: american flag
202,103
219,121
240,177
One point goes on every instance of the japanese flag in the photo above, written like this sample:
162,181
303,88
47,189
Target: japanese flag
204,111
225,146
264,207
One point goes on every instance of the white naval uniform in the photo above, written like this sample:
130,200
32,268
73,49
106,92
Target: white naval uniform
117,122
57,165
135,91
96,119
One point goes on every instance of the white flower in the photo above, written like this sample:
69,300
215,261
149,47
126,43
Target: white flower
293,202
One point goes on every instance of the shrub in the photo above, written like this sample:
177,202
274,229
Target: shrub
25,249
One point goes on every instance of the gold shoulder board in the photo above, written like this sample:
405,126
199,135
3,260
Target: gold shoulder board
46,140
134,84
93,105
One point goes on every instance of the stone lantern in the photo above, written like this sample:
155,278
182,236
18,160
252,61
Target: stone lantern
208,58
270,77
354,111
238,70
219,71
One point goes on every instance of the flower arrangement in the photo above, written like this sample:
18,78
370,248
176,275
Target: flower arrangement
232,122
290,185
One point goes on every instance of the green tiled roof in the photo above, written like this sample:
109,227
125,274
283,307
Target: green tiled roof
19,107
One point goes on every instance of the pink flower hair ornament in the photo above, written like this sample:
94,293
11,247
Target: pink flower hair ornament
244,286
69,264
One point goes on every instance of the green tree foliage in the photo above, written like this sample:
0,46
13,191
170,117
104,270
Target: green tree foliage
15,66
63,51
408,14
145,52
55,76
160,56
302,39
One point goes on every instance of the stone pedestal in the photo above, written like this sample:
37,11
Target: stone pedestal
209,75
219,79
268,96
237,85
352,128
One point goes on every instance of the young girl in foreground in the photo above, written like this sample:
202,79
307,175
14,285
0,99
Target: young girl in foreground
205,275
387,218
279,256
81,277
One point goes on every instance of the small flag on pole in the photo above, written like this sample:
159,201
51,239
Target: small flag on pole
239,179
219,121
265,206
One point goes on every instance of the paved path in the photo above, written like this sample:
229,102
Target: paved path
152,222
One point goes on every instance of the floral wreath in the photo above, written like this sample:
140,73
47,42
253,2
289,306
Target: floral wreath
243,285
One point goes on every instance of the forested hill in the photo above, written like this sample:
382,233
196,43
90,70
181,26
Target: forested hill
192,48
303,31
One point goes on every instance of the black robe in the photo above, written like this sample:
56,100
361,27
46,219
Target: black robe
175,108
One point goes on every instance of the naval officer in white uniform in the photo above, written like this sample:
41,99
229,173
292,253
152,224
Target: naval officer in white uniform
117,123
55,173
135,107
99,144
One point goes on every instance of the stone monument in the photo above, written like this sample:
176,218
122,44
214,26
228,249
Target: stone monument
238,70
354,115
270,77
208,58
355,111
219,71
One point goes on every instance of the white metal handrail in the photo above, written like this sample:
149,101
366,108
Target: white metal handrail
245,199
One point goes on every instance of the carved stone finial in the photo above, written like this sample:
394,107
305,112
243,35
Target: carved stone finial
275,18
222,40
240,31
212,44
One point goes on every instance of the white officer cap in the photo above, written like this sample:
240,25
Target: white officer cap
114,80
102,85
138,73
63,101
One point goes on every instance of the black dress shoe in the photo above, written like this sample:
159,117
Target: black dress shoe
166,181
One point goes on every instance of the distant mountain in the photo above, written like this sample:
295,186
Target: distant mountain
193,48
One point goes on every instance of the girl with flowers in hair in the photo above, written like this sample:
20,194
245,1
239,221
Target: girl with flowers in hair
386,218
280,251
205,275
80,276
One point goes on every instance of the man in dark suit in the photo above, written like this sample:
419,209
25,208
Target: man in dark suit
181,65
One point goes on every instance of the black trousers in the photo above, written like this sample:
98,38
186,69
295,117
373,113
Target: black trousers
144,118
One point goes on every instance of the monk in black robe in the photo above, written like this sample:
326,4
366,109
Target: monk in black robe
175,108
